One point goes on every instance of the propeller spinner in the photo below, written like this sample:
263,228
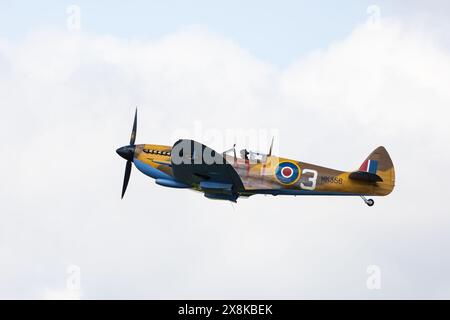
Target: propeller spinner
127,152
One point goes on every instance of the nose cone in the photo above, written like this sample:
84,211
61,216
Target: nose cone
126,152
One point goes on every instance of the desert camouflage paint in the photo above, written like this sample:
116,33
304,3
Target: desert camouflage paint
276,175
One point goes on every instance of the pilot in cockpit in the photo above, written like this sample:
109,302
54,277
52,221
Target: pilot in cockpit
244,154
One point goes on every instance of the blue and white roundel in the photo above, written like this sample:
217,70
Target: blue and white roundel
287,172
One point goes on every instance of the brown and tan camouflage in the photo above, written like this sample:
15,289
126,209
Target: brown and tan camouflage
262,176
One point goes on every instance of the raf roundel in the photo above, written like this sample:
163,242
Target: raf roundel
287,173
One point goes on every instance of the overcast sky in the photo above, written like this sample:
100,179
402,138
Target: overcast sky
333,82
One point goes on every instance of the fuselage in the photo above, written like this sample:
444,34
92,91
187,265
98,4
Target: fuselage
269,175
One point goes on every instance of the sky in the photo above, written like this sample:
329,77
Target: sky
278,32
332,82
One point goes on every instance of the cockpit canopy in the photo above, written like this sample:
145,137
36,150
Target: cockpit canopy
245,154
253,155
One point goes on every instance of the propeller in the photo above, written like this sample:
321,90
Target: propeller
127,152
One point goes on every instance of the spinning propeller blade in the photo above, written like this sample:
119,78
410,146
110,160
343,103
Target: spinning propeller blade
126,177
127,152
133,132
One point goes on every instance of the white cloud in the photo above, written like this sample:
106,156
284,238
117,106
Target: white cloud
67,103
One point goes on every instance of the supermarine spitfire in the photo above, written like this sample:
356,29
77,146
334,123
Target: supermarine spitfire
226,176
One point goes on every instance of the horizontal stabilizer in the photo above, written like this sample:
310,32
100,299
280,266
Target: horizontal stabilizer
365,176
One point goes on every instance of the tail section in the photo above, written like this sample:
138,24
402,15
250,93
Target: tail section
378,167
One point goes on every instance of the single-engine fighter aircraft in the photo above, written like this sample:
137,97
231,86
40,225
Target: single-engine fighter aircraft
227,176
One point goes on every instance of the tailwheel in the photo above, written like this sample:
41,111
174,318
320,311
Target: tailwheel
369,202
